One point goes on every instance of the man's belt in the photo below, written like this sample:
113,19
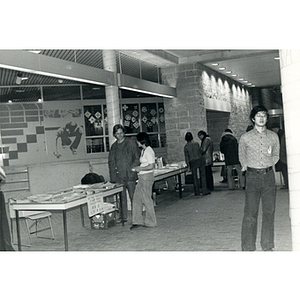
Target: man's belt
259,171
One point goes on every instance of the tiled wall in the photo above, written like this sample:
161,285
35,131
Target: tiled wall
22,133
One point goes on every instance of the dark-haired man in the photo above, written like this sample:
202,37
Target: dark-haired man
123,156
258,153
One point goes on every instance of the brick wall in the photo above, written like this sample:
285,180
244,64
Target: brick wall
197,86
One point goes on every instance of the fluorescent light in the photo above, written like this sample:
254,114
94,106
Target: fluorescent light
35,51
228,72
233,75
222,68
147,92
215,64
276,58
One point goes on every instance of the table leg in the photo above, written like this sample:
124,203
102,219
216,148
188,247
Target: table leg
65,229
121,208
18,230
180,185
82,215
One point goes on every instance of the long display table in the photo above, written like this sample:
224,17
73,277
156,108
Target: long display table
167,172
64,201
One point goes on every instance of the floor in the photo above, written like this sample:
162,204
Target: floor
194,253
203,223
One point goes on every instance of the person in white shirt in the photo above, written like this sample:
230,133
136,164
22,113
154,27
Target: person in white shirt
143,191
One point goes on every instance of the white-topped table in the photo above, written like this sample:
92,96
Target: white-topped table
166,172
27,205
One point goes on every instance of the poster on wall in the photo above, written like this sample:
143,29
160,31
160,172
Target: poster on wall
64,129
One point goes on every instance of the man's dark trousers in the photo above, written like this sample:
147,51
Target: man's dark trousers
259,185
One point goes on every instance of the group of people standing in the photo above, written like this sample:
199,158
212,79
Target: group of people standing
199,159
130,161
258,154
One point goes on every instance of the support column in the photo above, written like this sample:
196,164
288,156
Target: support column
290,78
112,94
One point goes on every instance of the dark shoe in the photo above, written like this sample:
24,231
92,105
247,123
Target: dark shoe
119,221
134,226
207,194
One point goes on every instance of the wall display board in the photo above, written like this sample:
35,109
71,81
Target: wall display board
64,129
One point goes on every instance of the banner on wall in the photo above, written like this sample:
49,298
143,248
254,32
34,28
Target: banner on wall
64,130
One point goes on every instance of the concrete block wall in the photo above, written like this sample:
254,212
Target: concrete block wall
184,113
197,88
270,97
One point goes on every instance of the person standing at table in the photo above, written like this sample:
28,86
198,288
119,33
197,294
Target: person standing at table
258,154
143,192
207,149
195,161
123,156
229,147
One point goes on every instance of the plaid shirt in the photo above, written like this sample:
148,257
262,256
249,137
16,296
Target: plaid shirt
258,150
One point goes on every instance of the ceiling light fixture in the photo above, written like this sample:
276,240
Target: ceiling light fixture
222,68
215,64
35,51
228,72
20,78
234,75
277,58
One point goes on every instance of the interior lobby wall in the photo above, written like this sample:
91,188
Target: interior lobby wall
200,89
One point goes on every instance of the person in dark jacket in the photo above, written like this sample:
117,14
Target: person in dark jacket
229,147
123,156
195,161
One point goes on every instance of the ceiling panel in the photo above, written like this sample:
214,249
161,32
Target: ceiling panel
257,66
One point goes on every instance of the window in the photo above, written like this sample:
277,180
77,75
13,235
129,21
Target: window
137,115
96,129
148,117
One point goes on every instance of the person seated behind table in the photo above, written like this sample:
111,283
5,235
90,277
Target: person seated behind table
195,161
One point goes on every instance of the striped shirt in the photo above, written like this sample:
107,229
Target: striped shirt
258,150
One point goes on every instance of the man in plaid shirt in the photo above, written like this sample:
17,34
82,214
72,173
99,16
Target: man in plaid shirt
258,153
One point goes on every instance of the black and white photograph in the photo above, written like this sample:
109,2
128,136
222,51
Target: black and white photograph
124,161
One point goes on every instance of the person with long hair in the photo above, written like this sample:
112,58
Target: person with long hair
143,191
123,156
207,149
195,161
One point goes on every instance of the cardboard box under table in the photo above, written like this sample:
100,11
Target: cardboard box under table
102,214
67,200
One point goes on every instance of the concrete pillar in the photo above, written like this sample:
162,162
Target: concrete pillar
290,78
112,94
